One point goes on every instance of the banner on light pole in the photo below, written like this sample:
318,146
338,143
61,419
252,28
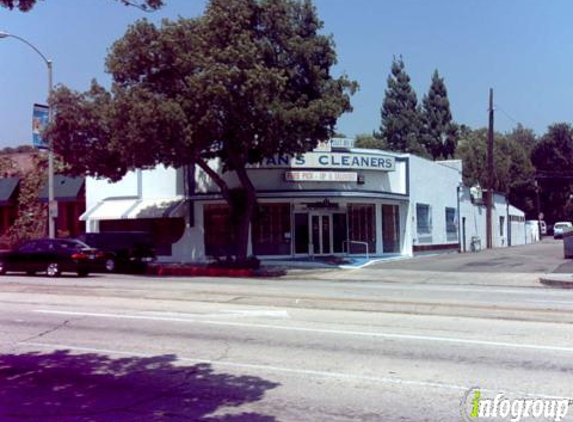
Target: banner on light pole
40,119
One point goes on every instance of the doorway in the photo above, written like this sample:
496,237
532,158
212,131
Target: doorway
320,233
463,234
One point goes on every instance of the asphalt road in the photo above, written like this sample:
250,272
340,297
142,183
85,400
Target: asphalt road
123,349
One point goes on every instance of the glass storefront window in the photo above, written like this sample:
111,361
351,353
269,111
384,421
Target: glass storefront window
362,227
219,235
301,238
451,226
271,230
391,228
339,232
423,219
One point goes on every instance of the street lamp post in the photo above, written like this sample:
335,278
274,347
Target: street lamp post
49,64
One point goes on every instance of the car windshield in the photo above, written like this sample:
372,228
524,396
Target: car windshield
562,225
28,247
73,243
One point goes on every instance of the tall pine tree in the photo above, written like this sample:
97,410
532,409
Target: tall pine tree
440,133
401,115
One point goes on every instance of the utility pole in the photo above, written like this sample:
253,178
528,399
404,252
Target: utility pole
52,204
490,174
538,205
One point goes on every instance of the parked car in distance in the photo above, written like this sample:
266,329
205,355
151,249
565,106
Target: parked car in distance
550,230
124,251
52,256
560,227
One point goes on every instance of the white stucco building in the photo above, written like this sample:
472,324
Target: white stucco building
336,200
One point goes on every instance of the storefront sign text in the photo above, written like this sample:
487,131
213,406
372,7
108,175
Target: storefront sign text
348,161
320,176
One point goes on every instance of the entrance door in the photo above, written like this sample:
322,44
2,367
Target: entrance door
320,233
464,234
391,228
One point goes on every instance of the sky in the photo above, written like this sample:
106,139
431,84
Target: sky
523,49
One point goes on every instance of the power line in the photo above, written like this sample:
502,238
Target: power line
497,106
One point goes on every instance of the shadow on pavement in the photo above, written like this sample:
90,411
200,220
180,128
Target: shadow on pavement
565,268
65,387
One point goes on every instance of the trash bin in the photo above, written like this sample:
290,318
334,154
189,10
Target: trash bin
568,244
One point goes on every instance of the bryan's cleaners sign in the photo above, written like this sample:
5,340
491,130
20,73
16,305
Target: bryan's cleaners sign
333,160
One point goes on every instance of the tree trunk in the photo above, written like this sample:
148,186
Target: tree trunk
215,177
245,212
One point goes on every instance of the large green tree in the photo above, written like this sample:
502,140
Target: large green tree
26,5
513,170
553,160
522,190
31,216
525,137
439,132
246,80
401,116
370,142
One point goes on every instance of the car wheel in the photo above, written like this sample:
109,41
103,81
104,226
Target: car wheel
2,268
82,273
53,270
110,265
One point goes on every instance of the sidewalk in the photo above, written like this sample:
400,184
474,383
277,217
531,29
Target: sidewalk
332,262
269,267
562,276
404,276
519,266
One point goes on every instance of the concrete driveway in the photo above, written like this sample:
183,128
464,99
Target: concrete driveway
517,266
541,257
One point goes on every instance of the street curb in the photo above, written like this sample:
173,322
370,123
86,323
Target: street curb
557,282
200,271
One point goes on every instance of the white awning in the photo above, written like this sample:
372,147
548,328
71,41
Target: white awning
122,208
158,208
109,209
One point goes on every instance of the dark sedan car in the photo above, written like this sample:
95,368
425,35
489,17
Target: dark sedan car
124,251
52,256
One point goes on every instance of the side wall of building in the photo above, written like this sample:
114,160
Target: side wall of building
517,227
508,223
433,187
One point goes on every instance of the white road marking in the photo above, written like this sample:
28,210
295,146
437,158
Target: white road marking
227,313
555,302
393,336
255,313
273,368
450,287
